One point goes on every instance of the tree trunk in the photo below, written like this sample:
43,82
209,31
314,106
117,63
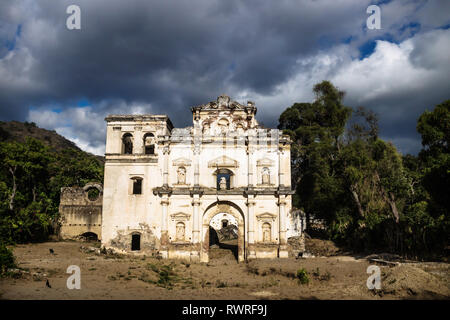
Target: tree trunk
390,199
34,193
12,170
356,199
393,207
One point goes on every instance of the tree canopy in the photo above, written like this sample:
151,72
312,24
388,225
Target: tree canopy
370,195
32,175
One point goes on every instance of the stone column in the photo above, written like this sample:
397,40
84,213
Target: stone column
196,154
164,227
250,149
196,218
166,152
282,252
280,168
138,140
251,227
196,171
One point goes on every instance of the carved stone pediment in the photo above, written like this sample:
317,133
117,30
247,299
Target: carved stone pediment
223,101
180,216
181,162
223,162
266,217
265,162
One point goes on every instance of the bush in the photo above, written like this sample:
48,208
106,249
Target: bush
302,276
7,260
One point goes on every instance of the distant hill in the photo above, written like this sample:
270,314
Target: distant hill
19,131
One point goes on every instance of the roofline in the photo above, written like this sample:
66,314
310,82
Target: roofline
139,117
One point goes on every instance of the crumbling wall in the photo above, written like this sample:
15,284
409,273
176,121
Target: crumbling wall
80,214
149,243
296,223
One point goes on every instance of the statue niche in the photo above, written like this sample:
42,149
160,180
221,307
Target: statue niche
181,175
180,231
206,129
265,175
266,231
223,126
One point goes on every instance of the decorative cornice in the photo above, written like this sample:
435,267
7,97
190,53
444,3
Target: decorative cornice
181,162
266,216
180,216
265,162
223,162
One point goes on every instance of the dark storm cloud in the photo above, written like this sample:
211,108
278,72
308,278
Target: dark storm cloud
151,50
165,56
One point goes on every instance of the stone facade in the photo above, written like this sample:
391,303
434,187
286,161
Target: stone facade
163,185
81,212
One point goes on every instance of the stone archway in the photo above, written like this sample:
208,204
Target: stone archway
214,209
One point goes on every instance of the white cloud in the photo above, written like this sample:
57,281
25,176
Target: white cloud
398,81
84,126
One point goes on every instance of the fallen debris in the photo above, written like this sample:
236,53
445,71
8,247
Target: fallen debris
384,262
413,281
319,247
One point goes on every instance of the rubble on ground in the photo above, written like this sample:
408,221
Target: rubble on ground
296,246
319,247
412,281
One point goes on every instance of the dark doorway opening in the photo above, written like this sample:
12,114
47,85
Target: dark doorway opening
150,149
135,242
221,245
89,236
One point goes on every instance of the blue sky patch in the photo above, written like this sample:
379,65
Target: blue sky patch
83,103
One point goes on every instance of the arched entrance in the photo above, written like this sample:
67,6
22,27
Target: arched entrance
89,236
217,208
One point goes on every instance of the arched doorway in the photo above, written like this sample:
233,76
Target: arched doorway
220,207
89,236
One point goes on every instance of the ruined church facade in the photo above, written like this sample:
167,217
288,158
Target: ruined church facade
164,186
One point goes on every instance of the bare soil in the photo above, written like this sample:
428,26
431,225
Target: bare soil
140,277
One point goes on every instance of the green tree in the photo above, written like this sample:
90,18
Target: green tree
315,129
31,179
434,128
344,173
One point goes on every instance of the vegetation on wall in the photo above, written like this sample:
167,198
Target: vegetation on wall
371,197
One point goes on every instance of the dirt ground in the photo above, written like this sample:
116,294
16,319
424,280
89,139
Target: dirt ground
116,277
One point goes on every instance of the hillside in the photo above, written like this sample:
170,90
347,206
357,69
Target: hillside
19,131
35,164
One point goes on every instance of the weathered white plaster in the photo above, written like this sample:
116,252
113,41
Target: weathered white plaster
180,197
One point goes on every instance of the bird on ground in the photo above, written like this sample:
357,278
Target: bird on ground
47,283
51,251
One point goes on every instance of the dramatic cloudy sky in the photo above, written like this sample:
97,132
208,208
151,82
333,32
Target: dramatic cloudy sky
165,56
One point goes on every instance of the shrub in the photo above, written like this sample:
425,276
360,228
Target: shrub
6,259
302,276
